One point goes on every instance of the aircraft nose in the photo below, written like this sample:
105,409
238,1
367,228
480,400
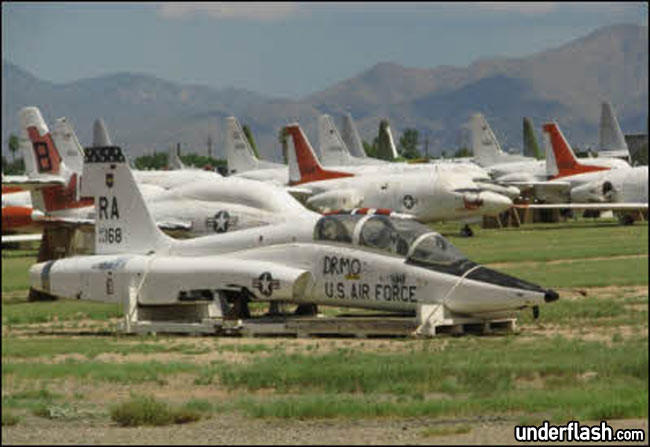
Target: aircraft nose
550,296
494,203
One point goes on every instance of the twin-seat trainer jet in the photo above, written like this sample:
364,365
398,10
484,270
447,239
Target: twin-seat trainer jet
187,202
365,261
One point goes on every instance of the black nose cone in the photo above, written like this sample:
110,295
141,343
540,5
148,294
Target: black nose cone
551,295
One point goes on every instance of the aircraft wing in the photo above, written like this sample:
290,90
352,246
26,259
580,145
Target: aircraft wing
28,183
167,278
588,206
548,191
32,237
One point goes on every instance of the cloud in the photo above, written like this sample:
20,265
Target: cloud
527,8
257,11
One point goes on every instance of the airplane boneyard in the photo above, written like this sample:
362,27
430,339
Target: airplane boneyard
362,260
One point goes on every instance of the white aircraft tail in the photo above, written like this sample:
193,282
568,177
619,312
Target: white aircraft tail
611,137
386,149
486,147
123,223
351,137
241,157
175,161
333,151
100,134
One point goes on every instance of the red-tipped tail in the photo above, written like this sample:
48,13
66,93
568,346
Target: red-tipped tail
309,169
566,161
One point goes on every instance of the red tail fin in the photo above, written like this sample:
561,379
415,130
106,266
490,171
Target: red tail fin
567,163
309,167
48,161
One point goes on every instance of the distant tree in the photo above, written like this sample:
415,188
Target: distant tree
283,136
370,148
16,167
155,161
201,161
14,144
463,152
641,158
251,140
408,143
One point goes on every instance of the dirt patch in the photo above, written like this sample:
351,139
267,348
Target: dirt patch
237,429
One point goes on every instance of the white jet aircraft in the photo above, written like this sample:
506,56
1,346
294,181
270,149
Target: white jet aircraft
195,208
427,195
623,190
513,168
362,261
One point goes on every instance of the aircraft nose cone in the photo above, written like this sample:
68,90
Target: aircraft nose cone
551,295
494,203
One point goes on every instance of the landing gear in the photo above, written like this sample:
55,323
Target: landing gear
535,312
239,308
306,310
626,219
466,231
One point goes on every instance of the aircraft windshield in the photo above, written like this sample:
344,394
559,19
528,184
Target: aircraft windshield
336,228
436,250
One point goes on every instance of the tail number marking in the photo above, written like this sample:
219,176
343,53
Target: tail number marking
110,235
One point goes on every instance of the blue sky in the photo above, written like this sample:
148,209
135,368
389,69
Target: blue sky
284,49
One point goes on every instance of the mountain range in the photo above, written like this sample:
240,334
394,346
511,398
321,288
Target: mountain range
144,113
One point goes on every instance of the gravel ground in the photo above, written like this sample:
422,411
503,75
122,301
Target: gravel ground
234,429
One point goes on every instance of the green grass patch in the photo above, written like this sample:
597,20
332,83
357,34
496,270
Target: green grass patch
9,418
126,373
585,273
550,242
590,311
15,271
89,347
60,310
146,410
473,365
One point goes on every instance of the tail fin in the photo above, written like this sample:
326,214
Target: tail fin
385,145
566,163
303,164
47,157
333,151
175,161
531,148
485,146
351,137
122,221
611,137
58,154
239,153
100,134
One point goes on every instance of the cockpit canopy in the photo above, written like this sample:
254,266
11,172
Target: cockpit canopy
400,237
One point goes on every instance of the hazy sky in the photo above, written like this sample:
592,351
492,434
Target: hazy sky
284,49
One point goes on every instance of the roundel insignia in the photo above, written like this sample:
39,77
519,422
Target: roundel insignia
110,180
408,201
221,221
266,284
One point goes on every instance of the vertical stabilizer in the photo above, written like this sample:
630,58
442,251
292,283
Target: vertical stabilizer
303,164
611,137
123,223
531,148
351,137
566,161
100,134
485,146
238,151
175,161
385,145
333,151
56,154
